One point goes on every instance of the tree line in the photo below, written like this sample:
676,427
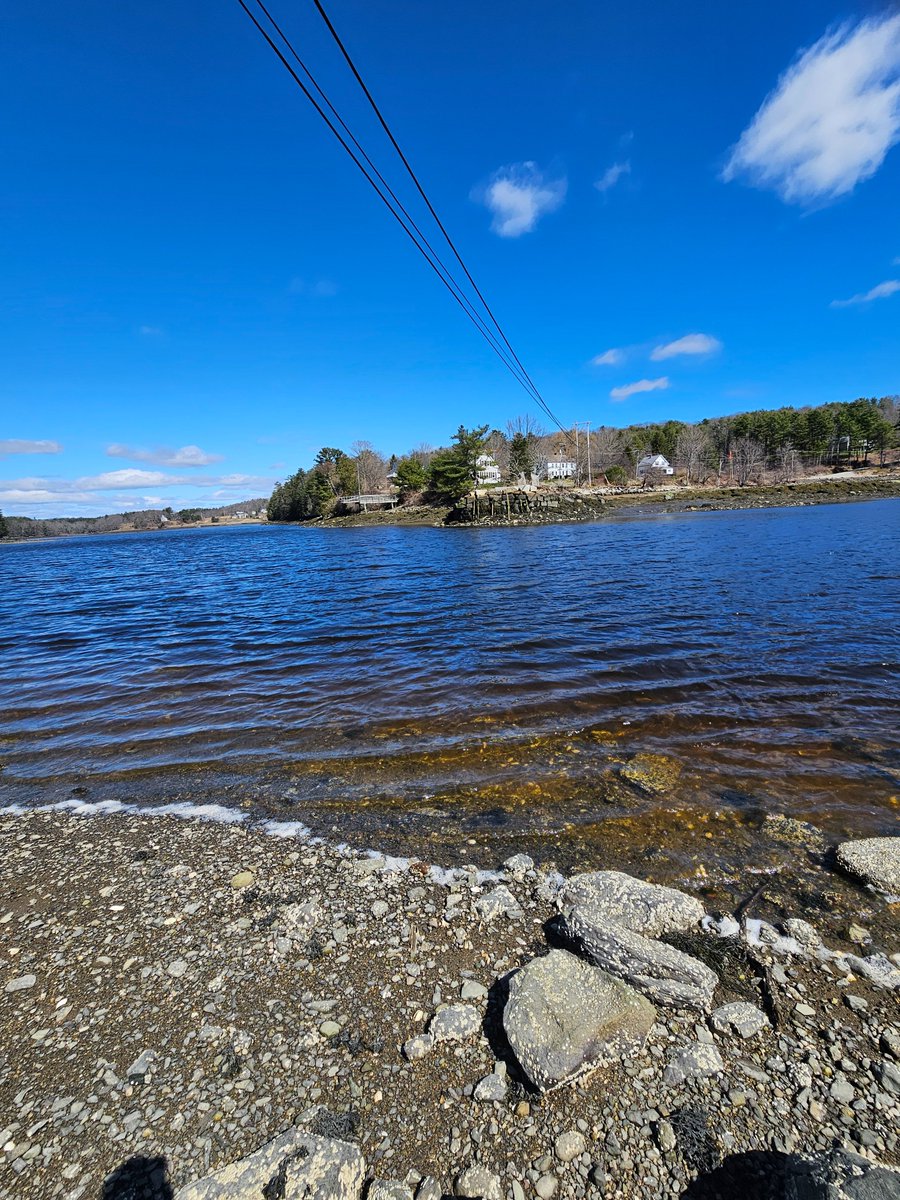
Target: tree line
740,449
141,519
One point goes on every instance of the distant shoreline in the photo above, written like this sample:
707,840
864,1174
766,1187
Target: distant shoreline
562,506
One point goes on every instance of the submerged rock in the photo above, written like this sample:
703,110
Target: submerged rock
668,976
565,1017
295,1164
647,908
873,860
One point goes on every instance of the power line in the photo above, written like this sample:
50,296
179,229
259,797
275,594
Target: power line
406,222
505,352
387,129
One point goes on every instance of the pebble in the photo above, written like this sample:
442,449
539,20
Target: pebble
21,984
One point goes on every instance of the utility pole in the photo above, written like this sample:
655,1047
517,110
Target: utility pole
587,427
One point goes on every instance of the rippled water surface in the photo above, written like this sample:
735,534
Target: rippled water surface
521,684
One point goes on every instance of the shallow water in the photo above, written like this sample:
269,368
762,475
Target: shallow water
529,686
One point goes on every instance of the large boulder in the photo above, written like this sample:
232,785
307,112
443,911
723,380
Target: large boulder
873,860
296,1165
668,976
565,1017
647,908
842,1175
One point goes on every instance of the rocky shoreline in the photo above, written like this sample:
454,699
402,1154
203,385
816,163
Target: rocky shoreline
180,999
505,506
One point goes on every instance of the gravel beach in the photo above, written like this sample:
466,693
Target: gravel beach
174,993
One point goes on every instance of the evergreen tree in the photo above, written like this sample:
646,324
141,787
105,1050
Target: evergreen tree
454,473
4,527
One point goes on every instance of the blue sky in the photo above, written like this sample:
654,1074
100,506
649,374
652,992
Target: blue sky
199,290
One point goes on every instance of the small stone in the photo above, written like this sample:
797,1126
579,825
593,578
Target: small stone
380,908
455,1023
492,1087
141,1065
569,1145
842,1091
500,902
478,1183
429,1189
417,1047
329,1029
695,1061
743,1018
546,1186
523,1109
21,984
177,968
857,934
805,1010
889,1077
855,1003
389,1189
665,1136
471,990
242,879
518,866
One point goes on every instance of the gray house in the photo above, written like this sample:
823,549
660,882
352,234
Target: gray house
654,462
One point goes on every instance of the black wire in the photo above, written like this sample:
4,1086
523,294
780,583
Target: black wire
422,245
449,281
359,79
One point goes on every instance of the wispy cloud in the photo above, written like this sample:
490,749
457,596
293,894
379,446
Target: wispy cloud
324,288
642,385
612,175
831,119
127,478
24,446
150,331
163,456
609,358
691,343
880,292
518,196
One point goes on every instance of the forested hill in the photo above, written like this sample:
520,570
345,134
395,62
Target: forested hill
145,519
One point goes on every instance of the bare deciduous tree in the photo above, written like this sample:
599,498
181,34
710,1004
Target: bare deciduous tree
371,467
690,452
747,459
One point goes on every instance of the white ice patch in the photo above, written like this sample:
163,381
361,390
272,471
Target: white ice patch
287,829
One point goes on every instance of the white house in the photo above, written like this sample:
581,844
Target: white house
654,462
558,468
486,470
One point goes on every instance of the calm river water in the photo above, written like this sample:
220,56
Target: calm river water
526,686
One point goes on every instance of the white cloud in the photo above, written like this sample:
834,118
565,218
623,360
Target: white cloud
24,446
609,358
518,196
831,119
880,292
127,478
642,385
691,343
150,331
612,175
187,456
